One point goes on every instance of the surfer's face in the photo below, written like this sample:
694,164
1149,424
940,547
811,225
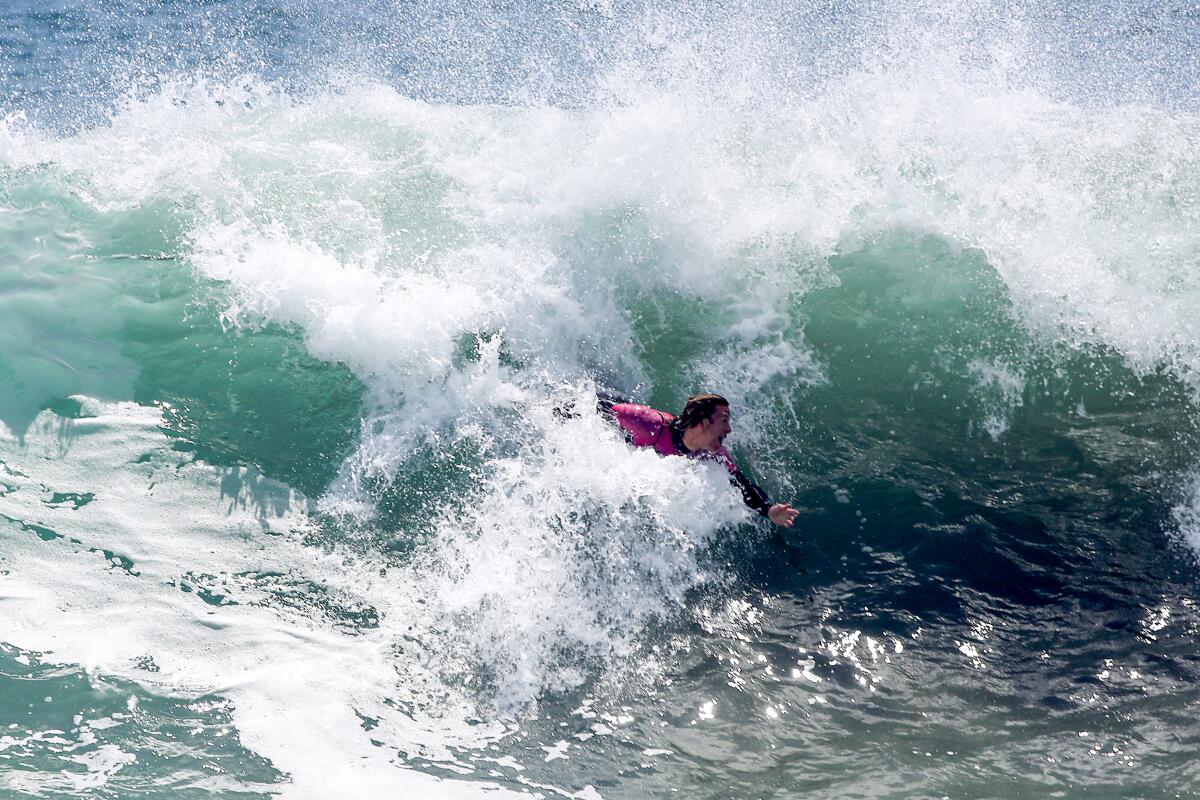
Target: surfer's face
715,428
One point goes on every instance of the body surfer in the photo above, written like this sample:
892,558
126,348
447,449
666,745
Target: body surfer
698,432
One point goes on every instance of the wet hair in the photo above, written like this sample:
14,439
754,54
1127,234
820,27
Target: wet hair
698,408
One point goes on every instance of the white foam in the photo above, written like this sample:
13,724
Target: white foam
296,681
101,764
570,551
390,231
1066,201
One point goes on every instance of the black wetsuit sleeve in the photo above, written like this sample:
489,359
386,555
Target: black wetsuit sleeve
605,402
604,407
752,494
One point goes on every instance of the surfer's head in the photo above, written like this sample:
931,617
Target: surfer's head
704,421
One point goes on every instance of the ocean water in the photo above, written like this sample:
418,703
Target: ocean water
290,291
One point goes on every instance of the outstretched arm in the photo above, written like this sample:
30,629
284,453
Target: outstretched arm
754,496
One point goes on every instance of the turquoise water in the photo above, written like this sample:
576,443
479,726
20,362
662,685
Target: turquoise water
288,298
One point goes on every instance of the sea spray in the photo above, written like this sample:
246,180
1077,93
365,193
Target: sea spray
370,251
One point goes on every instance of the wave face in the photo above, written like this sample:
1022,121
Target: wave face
291,297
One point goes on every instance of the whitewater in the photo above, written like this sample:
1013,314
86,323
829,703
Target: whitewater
291,298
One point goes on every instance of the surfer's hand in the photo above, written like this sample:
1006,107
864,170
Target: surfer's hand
782,514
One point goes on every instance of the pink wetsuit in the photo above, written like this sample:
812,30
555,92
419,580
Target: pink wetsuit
648,427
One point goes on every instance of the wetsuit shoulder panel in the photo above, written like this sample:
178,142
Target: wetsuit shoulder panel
645,425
